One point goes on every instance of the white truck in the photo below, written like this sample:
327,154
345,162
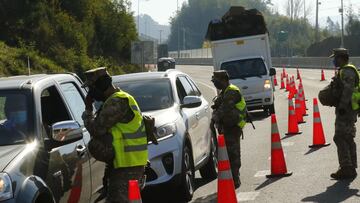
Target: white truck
248,63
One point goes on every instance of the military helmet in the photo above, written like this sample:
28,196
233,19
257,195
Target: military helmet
220,75
339,52
91,76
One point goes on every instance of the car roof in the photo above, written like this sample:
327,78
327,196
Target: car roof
27,81
147,76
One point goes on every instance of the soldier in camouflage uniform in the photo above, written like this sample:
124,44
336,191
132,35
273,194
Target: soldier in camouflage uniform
346,116
115,110
229,117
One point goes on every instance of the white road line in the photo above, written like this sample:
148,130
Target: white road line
287,144
262,173
246,196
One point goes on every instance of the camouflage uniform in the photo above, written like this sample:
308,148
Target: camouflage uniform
226,118
115,110
346,118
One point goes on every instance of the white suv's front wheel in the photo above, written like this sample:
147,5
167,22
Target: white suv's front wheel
187,175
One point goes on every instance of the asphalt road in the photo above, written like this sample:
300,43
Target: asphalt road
310,181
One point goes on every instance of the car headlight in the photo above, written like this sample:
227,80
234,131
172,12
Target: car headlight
5,187
267,84
166,131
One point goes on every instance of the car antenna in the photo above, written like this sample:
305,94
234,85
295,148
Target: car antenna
28,64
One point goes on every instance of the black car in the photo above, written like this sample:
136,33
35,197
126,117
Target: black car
165,64
43,141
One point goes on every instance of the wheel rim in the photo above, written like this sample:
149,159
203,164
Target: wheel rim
189,172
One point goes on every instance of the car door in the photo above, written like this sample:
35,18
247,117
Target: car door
204,121
75,100
192,116
68,164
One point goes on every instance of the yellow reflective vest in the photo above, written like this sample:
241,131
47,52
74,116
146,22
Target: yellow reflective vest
241,106
129,139
356,94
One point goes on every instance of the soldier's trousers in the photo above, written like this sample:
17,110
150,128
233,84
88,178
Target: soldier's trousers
118,183
232,139
345,133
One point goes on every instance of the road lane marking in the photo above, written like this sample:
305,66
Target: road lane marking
287,144
246,196
262,173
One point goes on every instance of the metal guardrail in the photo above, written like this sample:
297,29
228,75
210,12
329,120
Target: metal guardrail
301,62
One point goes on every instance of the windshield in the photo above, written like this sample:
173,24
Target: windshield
150,94
245,68
15,122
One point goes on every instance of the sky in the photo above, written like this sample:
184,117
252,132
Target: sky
162,10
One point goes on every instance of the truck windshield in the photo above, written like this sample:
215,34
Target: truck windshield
151,95
245,68
15,117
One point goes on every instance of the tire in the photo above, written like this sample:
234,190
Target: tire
209,170
187,175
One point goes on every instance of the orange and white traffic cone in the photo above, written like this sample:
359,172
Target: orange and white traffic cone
318,131
293,128
298,109
134,192
226,188
298,74
278,164
287,83
322,75
302,100
275,81
282,84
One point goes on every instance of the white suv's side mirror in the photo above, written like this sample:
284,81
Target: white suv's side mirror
191,102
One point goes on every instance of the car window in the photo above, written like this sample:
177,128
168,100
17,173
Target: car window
15,117
245,68
53,109
193,85
74,100
187,86
150,94
180,90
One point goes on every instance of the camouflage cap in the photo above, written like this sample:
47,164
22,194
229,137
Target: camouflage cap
91,76
220,75
339,52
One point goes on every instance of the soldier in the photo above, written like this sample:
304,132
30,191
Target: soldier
346,115
121,117
229,116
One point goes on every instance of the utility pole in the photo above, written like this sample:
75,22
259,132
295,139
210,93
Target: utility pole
342,23
160,31
138,18
304,10
317,21
178,28
184,39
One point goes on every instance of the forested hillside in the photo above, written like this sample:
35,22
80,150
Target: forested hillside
70,35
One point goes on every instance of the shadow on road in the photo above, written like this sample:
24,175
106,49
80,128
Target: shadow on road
267,182
311,150
207,199
339,192
166,194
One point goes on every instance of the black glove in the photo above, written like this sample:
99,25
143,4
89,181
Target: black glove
342,112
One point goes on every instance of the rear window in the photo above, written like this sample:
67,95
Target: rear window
151,95
245,68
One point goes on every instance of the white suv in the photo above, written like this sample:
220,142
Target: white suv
182,117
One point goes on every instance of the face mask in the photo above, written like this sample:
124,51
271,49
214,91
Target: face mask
96,94
18,117
218,84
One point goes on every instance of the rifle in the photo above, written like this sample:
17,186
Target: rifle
249,119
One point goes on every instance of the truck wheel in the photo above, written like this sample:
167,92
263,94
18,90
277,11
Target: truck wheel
187,175
209,170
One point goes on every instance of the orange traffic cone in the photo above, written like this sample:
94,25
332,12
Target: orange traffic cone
284,73
134,192
293,128
322,75
298,74
318,131
275,81
302,100
226,188
282,84
287,83
278,164
298,109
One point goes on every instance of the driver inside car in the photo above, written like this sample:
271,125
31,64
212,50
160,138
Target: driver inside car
15,125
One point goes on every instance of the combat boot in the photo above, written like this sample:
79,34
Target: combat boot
344,173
